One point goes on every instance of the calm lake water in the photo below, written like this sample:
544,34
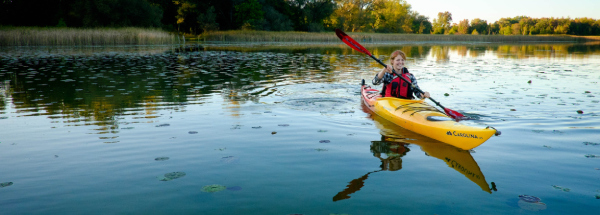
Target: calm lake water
279,129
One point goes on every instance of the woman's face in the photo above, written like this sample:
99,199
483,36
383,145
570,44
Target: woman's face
398,63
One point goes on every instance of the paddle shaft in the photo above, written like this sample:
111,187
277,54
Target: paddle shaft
402,77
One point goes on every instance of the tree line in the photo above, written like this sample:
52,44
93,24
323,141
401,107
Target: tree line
198,16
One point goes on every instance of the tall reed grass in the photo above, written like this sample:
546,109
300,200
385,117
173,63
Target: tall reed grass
269,36
39,36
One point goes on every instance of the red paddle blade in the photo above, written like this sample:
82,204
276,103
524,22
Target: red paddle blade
454,114
351,42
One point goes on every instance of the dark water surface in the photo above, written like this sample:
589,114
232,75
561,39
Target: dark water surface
279,129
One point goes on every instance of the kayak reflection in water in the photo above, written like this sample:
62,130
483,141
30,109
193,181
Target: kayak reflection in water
394,86
394,145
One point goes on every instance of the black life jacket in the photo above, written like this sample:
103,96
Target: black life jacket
398,87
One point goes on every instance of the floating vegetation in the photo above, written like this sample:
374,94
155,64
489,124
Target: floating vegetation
234,188
192,132
5,184
324,141
274,132
171,176
597,196
322,131
163,125
256,127
213,188
128,128
321,150
446,94
531,206
3,117
546,146
161,158
592,156
537,131
529,198
283,125
561,188
579,111
590,143
229,159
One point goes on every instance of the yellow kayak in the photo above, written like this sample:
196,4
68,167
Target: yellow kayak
424,119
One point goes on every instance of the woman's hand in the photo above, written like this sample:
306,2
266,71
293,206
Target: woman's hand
426,95
388,69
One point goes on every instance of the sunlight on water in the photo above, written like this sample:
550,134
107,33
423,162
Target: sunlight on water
279,129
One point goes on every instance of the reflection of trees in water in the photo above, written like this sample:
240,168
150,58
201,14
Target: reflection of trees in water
440,53
4,94
99,89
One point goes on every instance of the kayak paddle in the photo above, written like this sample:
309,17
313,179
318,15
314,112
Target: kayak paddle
356,46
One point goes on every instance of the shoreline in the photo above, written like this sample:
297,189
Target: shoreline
291,36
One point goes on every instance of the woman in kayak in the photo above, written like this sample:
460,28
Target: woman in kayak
394,86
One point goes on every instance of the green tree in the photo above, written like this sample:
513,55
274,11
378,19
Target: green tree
208,20
276,21
421,24
481,26
249,14
442,25
464,27
187,16
391,16
114,13
352,15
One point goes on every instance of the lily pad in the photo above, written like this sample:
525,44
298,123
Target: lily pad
213,188
161,158
528,198
5,184
229,159
561,188
537,206
171,176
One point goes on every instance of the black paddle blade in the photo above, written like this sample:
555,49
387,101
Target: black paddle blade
351,42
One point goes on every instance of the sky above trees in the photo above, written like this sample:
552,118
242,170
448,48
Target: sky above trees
492,11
